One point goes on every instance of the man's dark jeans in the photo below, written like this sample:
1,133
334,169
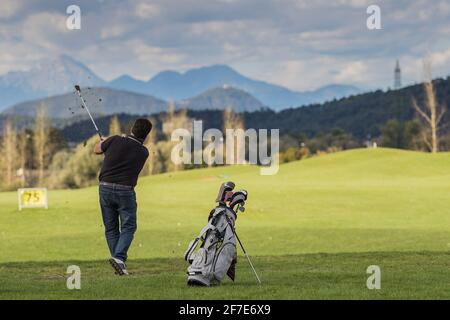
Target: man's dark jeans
119,217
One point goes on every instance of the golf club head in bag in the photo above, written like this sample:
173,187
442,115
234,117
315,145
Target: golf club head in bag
224,195
225,192
238,199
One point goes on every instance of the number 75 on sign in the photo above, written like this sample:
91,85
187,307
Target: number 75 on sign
32,198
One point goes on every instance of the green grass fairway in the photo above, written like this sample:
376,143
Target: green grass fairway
312,229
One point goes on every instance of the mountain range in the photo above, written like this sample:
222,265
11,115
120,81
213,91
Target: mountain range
47,78
107,101
175,86
56,77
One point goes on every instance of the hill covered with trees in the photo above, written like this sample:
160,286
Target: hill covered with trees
362,116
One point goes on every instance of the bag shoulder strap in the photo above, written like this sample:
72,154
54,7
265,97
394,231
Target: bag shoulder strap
194,243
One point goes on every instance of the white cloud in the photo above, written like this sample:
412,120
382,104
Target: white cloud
441,59
301,44
153,55
113,31
147,10
43,29
312,73
352,72
9,8
138,58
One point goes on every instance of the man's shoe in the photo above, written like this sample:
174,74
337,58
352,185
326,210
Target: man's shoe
119,266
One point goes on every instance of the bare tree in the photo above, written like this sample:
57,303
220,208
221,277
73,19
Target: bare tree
23,155
431,112
172,121
41,140
232,121
9,152
151,166
176,120
115,128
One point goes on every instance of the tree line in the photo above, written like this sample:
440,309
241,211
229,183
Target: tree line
25,155
40,156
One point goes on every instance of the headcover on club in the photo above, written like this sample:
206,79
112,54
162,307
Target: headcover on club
225,192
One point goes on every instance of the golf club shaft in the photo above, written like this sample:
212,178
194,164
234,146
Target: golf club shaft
243,249
89,113
248,258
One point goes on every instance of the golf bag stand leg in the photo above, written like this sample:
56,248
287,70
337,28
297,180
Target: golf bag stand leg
245,252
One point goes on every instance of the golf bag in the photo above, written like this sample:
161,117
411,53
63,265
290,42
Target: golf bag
216,256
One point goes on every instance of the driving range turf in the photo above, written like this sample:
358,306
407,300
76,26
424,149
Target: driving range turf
312,231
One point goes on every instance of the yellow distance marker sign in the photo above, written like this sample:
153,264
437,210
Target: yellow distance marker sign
33,198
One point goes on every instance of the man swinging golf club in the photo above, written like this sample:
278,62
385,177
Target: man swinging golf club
125,157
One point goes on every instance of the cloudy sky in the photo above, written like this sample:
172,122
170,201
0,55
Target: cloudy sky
301,44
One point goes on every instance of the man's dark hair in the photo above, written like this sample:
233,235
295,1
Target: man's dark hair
141,128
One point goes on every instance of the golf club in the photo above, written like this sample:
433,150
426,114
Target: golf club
225,190
78,90
243,249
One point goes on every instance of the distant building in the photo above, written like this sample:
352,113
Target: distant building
397,76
